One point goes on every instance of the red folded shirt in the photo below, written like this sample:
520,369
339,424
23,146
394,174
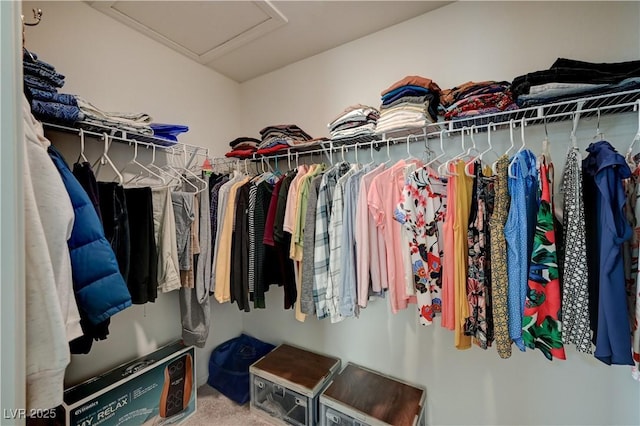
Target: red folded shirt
272,149
240,153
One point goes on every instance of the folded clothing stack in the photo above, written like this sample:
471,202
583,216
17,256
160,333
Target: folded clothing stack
409,103
128,122
476,98
41,84
355,121
569,79
283,136
243,147
168,132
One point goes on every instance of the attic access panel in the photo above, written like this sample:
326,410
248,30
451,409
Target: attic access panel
202,31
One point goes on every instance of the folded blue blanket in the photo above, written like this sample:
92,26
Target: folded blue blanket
54,77
61,98
56,112
39,83
32,58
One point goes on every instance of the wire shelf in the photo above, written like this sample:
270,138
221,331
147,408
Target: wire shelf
612,103
123,136
572,109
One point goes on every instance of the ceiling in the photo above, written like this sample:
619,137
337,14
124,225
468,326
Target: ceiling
245,39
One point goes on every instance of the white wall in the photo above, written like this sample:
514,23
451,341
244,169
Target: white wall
460,42
118,69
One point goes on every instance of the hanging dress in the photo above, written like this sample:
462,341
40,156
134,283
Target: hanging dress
460,226
575,288
448,258
518,232
416,212
606,169
541,326
499,276
479,323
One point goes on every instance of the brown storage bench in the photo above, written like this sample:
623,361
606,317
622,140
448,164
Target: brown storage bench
359,396
286,384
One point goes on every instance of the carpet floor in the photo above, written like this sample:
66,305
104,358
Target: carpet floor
215,409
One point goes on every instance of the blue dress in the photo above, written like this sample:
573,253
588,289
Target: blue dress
606,169
521,222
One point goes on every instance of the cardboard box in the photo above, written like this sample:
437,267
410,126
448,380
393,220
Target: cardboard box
157,389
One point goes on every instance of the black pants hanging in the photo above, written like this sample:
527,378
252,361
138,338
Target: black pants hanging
143,265
84,174
115,220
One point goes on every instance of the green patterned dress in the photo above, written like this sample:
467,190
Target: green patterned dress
541,326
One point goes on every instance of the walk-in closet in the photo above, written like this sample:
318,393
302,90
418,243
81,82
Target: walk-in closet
230,126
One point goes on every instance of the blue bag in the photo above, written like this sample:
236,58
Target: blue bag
229,366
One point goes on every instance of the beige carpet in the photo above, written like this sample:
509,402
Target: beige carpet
216,409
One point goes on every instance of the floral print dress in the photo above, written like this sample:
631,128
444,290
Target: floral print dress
420,209
541,326
499,275
479,323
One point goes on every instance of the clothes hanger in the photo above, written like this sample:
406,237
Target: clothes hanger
276,169
104,159
81,156
372,162
178,173
468,154
388,154
410,156
152,165
443,169
266,170
442,151
139,176
599,136
472,161
574,140
523,123
490,145
546,153
486,151
512,125
636,138
204,184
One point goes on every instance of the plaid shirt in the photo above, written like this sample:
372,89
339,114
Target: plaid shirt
321,244
336,227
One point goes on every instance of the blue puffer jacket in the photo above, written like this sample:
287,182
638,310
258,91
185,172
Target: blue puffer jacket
99,287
